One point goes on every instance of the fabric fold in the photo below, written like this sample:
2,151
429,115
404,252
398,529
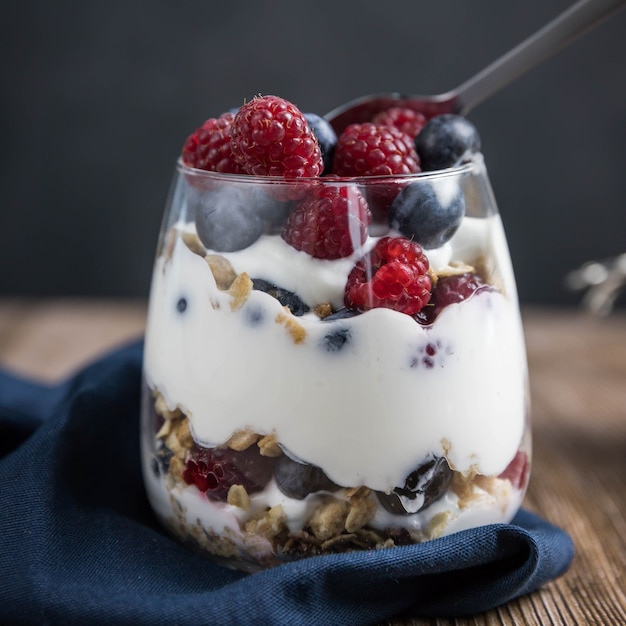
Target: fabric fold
79,542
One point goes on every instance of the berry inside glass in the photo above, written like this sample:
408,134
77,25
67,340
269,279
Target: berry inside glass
333,362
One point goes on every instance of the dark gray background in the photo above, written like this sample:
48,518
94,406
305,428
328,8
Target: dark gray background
97,99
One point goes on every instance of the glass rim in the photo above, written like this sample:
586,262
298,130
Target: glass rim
460,170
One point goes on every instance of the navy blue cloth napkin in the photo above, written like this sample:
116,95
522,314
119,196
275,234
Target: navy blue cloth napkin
79,543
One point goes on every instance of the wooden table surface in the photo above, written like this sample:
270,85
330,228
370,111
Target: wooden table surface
578,386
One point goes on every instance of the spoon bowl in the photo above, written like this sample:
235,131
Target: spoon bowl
562,30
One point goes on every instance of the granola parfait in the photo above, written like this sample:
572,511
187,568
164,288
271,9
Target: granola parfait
334,358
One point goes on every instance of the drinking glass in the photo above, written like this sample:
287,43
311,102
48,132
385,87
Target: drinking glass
293,405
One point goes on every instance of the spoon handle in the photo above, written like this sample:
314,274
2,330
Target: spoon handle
573,22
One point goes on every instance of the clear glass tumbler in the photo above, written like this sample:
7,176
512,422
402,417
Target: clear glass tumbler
319,382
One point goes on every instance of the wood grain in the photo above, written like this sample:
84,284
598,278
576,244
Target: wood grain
48,340
578,388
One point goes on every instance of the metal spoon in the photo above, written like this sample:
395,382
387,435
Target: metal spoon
561,31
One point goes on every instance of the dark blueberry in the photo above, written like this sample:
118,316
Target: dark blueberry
164,456
181,305
226,217
255,315
446,141
326,138
341,314
422,487
273,212
428,213
154,466
286,298
298,480
336,339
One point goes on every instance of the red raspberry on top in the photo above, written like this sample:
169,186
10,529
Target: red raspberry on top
208,148
393,275
329,222
270,137
408,121
370,150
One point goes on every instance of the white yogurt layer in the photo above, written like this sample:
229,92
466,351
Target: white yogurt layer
369,412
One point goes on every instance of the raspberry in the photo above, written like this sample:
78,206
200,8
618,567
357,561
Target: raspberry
397,270
271,137
517,470
451,290
215,470
329,222
370,150
408,121
458,287
208,148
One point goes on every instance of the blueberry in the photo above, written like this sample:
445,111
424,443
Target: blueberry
273,212
422,487
326,138
428,213
226,217
255,315
154,466
446,141
181,305
297,480
285,297
163,457
335,340
341,314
